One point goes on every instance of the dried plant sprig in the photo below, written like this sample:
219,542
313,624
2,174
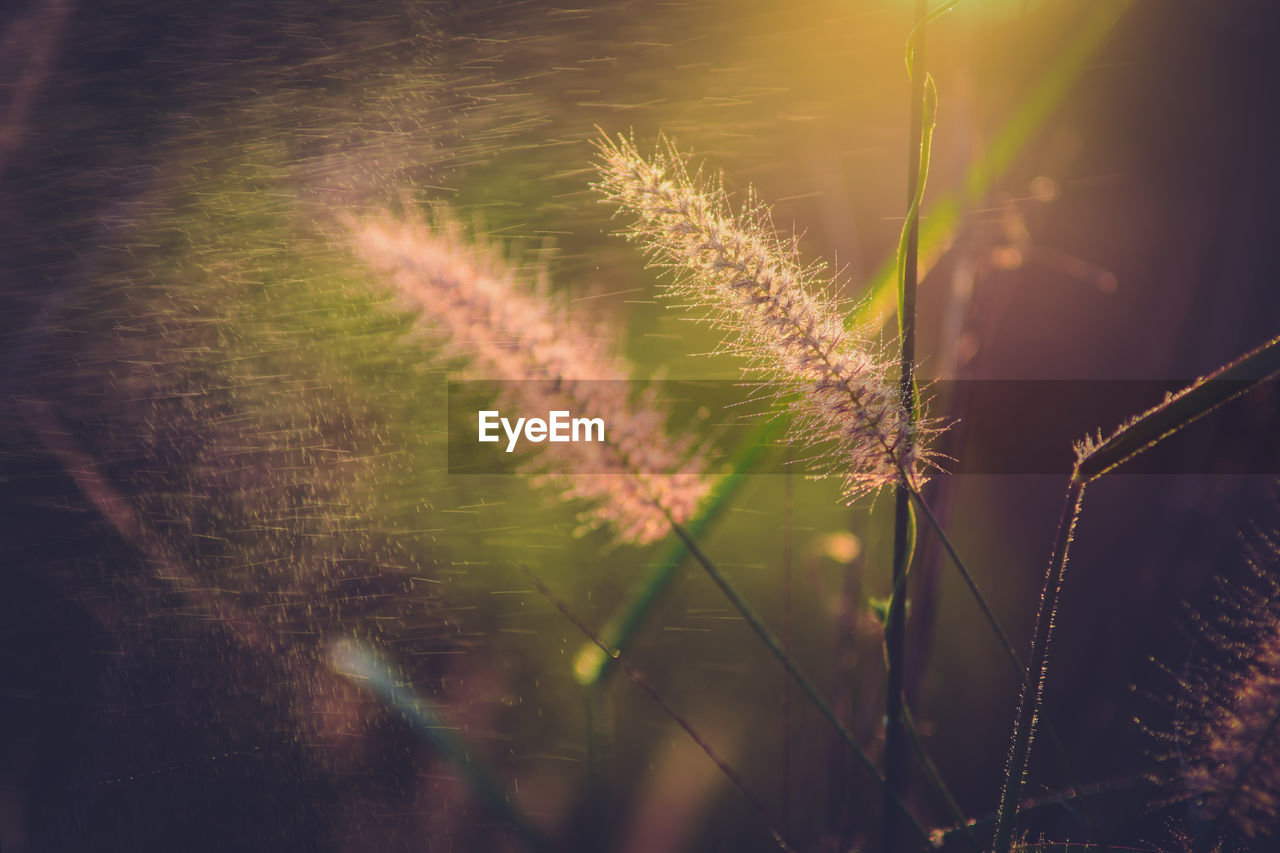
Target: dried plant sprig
751,283
1096,457
507,325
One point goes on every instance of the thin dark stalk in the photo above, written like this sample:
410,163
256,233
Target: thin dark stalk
788,511
895,763
944,219
643,683
1033,689
925,599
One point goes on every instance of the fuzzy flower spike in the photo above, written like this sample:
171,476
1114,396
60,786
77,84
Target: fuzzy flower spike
508,328
1227,732
750,282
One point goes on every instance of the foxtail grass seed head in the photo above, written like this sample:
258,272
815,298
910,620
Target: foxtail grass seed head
1227,736
506,325
776,311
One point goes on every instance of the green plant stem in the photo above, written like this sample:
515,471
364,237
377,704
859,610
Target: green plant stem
1033,689
788,521
919,144
805,685
895,760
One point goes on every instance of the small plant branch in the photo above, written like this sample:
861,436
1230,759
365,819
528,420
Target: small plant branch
895,765
640,681
1094,458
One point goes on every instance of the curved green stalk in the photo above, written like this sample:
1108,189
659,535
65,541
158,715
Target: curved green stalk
942,219
924,104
